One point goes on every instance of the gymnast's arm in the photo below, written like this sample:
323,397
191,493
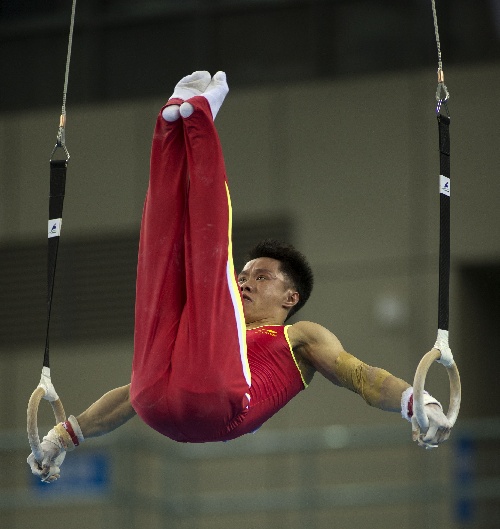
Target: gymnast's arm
321,349
108,413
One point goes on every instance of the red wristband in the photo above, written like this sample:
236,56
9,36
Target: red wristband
410,406
67,426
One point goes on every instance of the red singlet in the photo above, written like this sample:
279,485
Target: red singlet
276,377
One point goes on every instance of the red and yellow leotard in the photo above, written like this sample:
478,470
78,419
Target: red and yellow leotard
276,377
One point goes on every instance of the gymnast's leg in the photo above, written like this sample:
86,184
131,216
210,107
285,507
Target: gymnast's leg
209,381
161,285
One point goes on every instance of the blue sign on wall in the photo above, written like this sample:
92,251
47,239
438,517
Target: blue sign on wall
465,452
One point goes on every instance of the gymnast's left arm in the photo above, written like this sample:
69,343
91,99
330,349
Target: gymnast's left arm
379,388
322,349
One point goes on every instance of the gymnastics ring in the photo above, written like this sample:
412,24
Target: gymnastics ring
33,404
418,389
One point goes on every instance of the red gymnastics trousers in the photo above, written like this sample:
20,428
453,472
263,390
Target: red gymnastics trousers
190,374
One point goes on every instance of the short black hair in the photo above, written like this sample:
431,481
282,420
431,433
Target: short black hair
292,263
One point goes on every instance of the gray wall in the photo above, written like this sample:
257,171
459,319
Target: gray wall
353,162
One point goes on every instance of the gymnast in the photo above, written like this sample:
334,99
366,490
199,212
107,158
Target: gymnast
213,358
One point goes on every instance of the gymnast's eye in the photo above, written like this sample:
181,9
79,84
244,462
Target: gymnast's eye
241,280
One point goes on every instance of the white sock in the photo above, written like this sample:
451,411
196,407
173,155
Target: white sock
215,94
189,86
186,109
171,113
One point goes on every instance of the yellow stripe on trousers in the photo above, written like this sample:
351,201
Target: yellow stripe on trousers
235,296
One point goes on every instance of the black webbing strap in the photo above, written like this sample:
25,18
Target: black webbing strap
444,224
56,200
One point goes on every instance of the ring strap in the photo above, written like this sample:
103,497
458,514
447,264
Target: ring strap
56,199
444,225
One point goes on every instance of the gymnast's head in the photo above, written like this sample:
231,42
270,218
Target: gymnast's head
284,263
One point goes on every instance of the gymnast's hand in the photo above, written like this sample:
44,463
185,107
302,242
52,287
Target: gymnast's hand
48,470
439,427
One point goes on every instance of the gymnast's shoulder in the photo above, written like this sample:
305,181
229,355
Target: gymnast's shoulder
309,337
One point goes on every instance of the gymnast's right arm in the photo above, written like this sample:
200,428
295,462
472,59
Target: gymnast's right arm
106,414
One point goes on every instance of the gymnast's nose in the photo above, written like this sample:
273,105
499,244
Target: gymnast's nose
247,286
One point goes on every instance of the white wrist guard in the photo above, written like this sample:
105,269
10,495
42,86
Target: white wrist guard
76,428
407,403
66,435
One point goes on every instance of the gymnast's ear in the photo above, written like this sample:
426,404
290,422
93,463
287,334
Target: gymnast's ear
291,299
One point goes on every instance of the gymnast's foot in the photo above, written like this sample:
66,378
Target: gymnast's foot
189,86
214,93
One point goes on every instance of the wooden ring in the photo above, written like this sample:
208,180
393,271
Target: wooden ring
33,404
418,389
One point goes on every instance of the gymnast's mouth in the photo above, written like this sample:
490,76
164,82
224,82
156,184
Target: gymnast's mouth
245,297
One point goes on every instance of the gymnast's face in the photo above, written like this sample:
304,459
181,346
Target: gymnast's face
266,292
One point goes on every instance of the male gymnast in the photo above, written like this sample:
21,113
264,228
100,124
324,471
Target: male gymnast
213,358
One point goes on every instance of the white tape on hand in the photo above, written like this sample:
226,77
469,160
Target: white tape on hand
405,400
